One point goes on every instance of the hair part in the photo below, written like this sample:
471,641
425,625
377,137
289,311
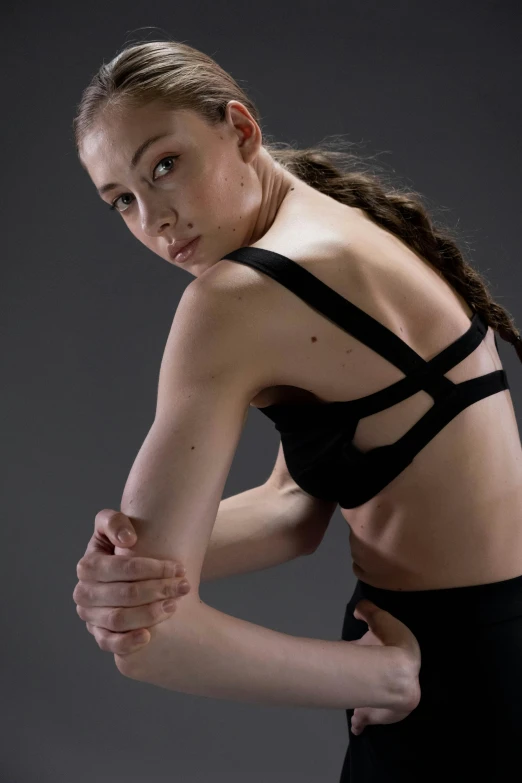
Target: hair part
180,77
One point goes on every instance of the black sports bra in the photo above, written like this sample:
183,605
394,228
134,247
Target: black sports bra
317,437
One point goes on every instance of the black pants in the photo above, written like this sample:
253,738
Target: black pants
468,725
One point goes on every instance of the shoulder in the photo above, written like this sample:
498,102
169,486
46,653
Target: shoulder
227,296
219,328
246,315
229,278
247,300
253,304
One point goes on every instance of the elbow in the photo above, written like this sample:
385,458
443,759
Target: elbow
167,654
122,664
136,665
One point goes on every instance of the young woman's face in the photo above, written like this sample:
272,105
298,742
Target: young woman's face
194,181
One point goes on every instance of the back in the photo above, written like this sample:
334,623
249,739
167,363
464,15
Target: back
453,516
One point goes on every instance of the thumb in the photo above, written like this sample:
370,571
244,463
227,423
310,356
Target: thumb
385,626
117,527
126,536
109,525
365,610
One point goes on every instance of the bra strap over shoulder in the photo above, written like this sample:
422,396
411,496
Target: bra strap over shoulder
360,324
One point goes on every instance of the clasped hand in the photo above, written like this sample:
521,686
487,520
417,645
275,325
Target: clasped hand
120,598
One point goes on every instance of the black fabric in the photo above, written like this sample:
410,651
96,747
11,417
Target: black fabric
468,724
317,438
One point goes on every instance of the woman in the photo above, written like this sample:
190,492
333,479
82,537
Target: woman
378,365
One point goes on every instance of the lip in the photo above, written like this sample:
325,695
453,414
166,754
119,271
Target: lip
180,251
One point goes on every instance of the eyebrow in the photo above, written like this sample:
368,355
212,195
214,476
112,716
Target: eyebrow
134,160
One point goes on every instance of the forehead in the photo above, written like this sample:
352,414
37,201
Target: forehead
118,132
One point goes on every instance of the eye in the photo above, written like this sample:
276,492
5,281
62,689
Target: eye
113,204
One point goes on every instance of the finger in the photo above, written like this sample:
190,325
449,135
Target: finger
365,609
358,721
112,594
120,643
119,619
387,628
99,567
117,526
107,524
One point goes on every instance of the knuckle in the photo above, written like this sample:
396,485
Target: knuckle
82,569
80,593
116,618
101,638
131,592
156,610
105,514
131,567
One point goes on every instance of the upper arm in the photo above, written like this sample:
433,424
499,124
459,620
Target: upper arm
206,382
310,514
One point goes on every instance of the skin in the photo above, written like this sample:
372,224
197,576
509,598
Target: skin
225,186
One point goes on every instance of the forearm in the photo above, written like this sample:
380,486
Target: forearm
253,531
205,652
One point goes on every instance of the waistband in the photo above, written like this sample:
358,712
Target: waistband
484,603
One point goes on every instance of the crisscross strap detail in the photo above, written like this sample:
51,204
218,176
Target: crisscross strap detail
317,438
419,372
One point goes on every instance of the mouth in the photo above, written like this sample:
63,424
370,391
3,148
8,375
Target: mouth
180,256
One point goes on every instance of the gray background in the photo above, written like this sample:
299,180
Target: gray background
434,89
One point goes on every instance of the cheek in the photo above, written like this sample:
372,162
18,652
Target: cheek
221,187
134,227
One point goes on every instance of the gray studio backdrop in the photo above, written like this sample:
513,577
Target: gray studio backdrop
434,89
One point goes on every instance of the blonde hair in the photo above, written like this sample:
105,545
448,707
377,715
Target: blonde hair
181,77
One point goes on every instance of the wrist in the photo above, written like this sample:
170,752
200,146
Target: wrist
402,683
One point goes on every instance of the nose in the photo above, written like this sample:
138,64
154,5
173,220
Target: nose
156,218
